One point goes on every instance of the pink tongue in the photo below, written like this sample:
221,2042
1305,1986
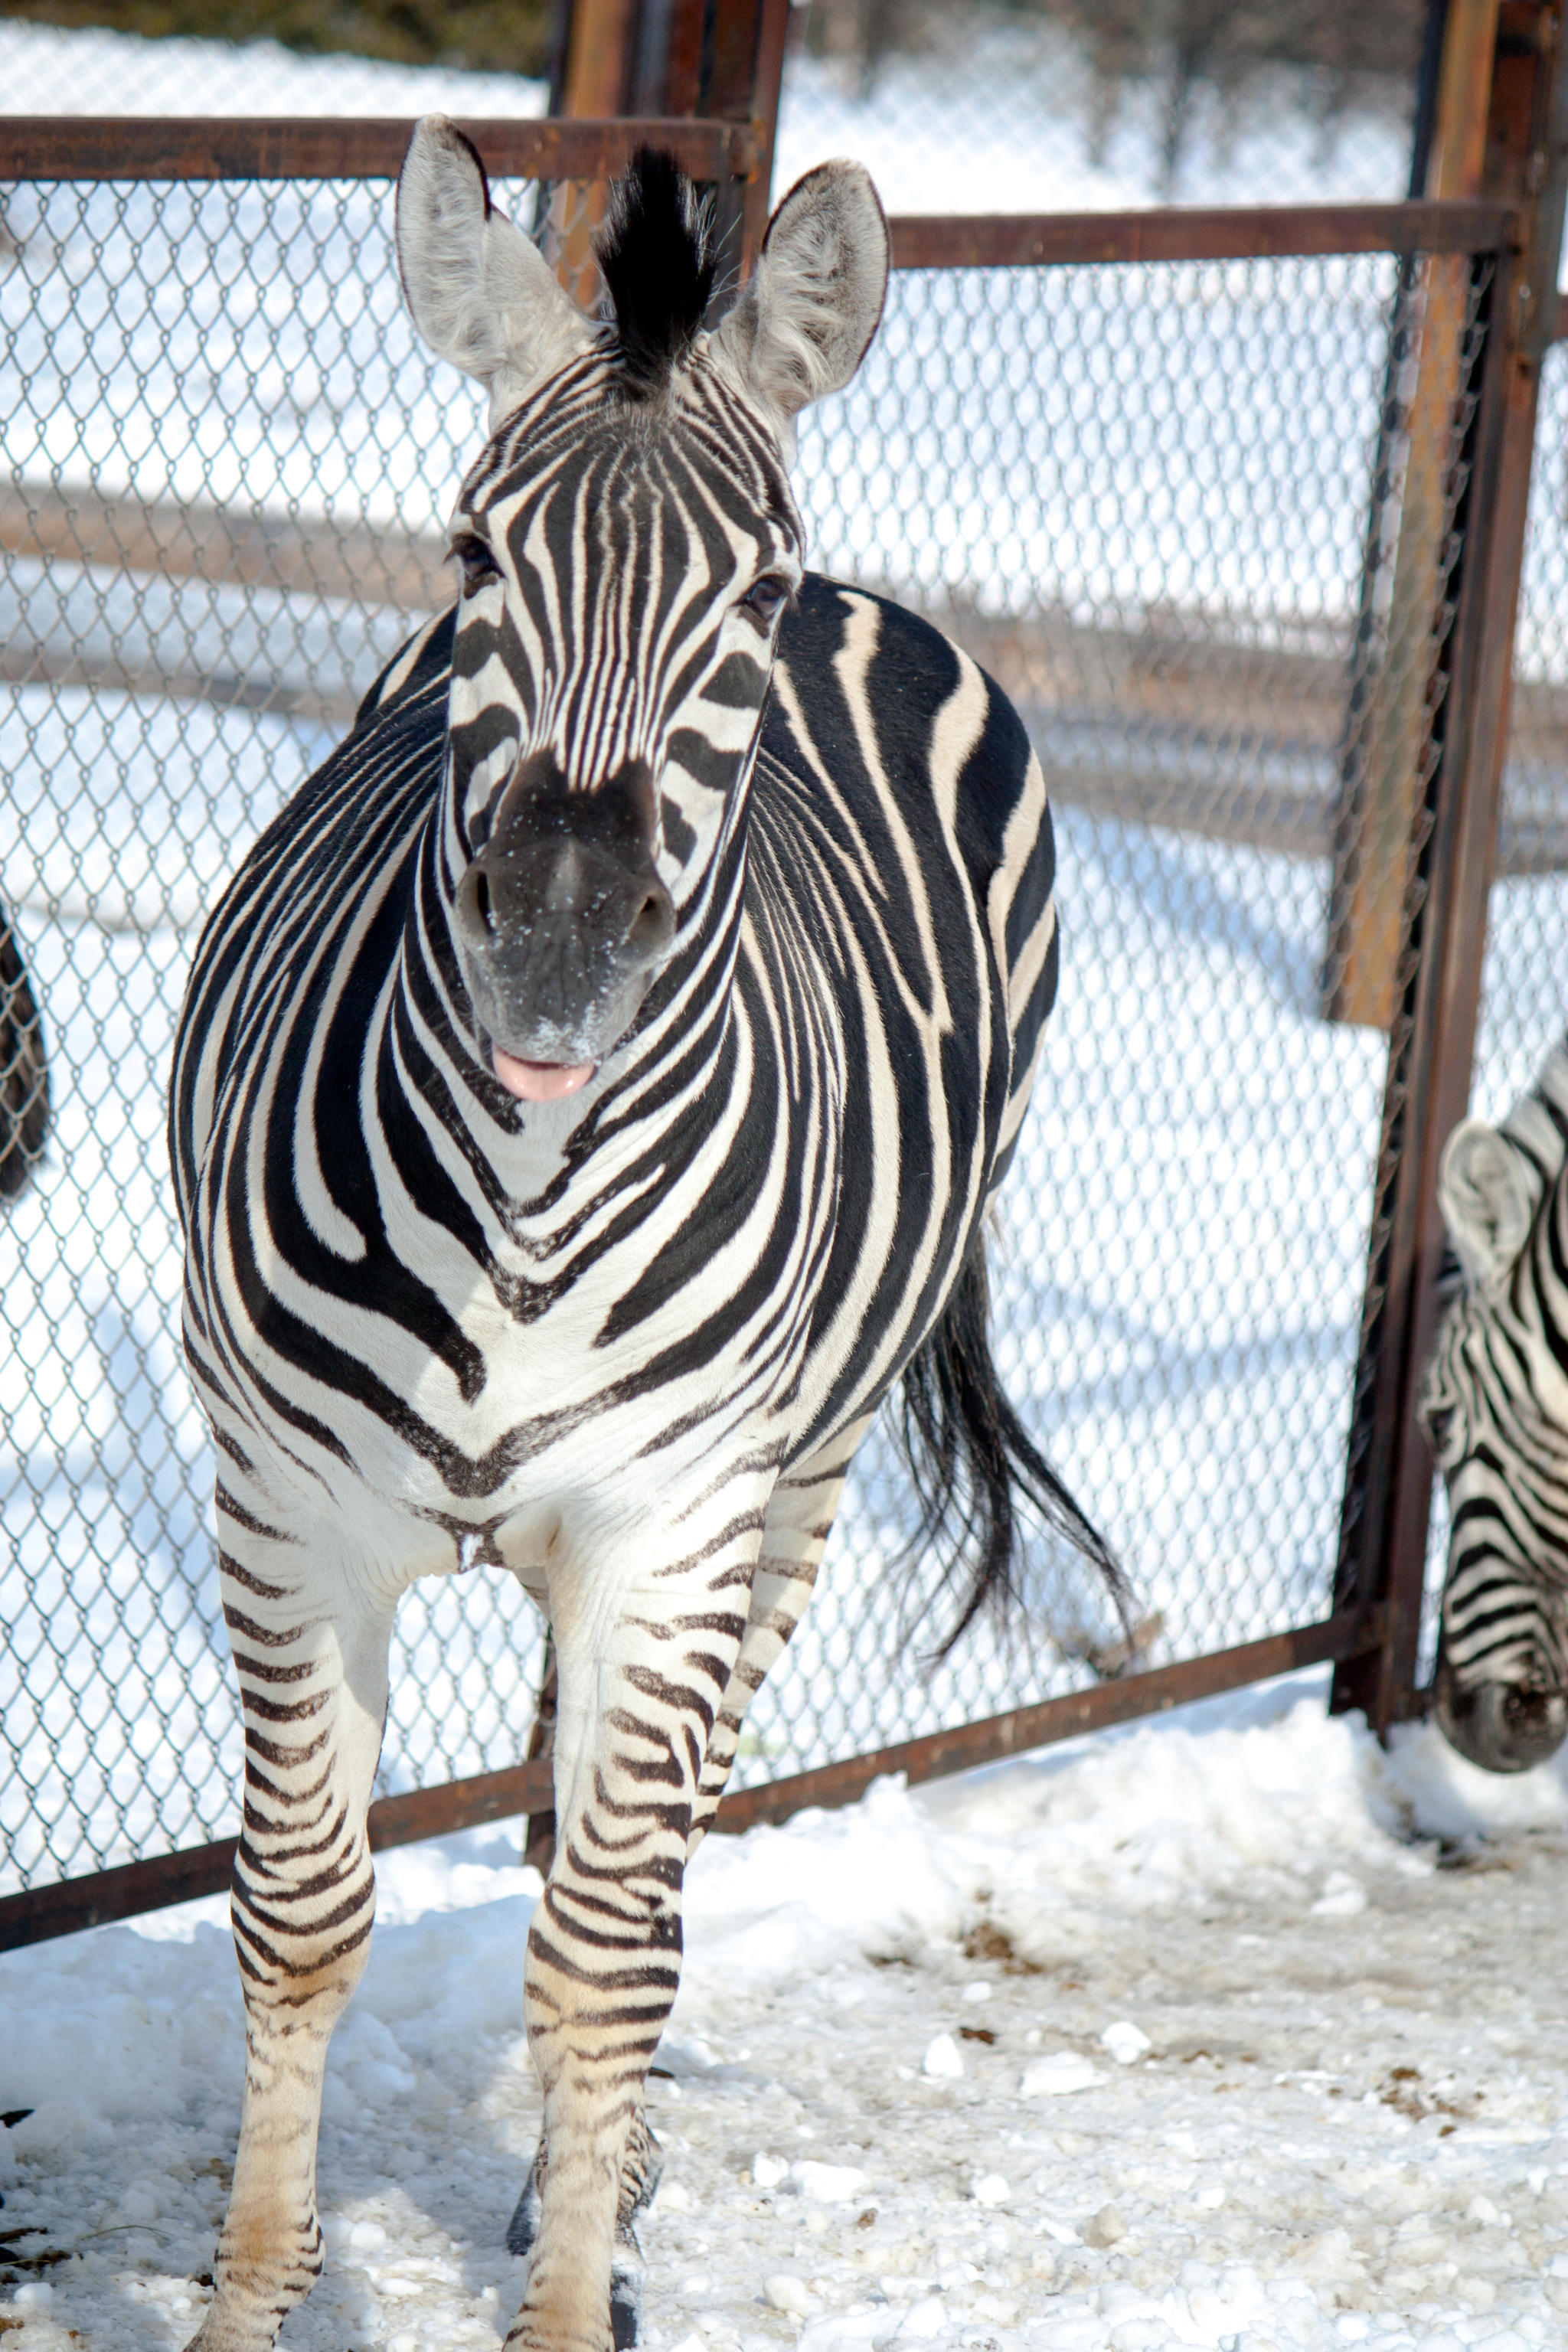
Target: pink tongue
539,1081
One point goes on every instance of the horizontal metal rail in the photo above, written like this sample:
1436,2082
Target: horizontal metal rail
278,147
264,147
1184,233
1350,1634
43,1912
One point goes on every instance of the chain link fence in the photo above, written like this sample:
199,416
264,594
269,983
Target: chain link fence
1140,495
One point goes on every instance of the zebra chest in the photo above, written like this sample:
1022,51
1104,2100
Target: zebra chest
473,1390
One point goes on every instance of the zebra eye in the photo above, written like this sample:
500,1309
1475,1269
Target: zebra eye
479,564
1439,1420
767,598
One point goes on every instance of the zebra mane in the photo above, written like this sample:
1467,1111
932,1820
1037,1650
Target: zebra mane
655,256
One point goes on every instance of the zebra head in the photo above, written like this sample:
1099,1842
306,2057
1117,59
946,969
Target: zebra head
1495,1403
628,542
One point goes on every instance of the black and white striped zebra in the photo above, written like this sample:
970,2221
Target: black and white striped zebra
586,1102
24,1069
1496,1404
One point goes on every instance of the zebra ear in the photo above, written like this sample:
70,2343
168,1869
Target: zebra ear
480,293
802,326
1488,1192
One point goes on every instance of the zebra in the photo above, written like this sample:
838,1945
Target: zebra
585,1105
1495,1404
24,1069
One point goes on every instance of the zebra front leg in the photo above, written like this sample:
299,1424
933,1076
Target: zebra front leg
641,2165
638,1696
800,1515
311,1650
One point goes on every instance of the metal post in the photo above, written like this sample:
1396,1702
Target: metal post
1453,847
719,61
1387,734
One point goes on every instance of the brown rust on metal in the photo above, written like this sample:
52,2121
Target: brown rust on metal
1183,233
264,147
1348,1634
1391,744
72,1904
60,1910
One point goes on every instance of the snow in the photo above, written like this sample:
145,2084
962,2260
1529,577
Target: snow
998,117
46,70
1289,2131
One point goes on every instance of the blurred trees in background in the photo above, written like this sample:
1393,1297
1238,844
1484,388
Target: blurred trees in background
1356,53
485,36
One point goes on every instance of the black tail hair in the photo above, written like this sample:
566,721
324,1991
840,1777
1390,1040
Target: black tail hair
23,1072
971,1458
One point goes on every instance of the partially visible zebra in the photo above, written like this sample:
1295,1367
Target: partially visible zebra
24,1070
585,1106
1496,1404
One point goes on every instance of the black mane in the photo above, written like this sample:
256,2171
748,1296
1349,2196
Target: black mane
655,256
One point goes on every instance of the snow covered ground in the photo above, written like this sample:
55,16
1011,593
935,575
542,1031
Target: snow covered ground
1229,2031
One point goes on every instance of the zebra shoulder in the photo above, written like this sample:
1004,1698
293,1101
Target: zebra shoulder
877,684
427,658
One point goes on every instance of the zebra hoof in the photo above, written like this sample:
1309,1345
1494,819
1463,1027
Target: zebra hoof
1503,1727
626,2305
524,2227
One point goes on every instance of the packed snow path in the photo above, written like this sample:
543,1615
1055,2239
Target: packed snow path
1226,2032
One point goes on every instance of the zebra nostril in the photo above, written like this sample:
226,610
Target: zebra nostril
482,899
653,924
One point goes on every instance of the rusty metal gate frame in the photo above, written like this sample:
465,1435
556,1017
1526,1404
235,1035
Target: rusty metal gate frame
1508,225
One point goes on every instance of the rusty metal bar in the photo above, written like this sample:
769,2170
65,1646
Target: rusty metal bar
559,147
772,34
264,147
1388,733
1388,1483
43,1912
1349,1634
60,1910
1179,233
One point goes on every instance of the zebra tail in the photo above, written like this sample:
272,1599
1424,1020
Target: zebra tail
24,1071
970,1459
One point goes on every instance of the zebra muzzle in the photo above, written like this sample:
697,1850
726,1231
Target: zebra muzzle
562,922
1500,1727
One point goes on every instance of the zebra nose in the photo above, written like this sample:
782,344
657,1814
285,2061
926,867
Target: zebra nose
579,864
561,915
562,896
1501,1727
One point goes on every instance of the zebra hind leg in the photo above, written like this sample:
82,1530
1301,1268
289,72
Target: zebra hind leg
312,1679
800,1516
641,2169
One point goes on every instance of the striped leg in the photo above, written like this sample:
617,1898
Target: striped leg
310,1648
799,1519
639,1693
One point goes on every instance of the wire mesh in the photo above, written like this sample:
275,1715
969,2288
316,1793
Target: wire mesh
1140,495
